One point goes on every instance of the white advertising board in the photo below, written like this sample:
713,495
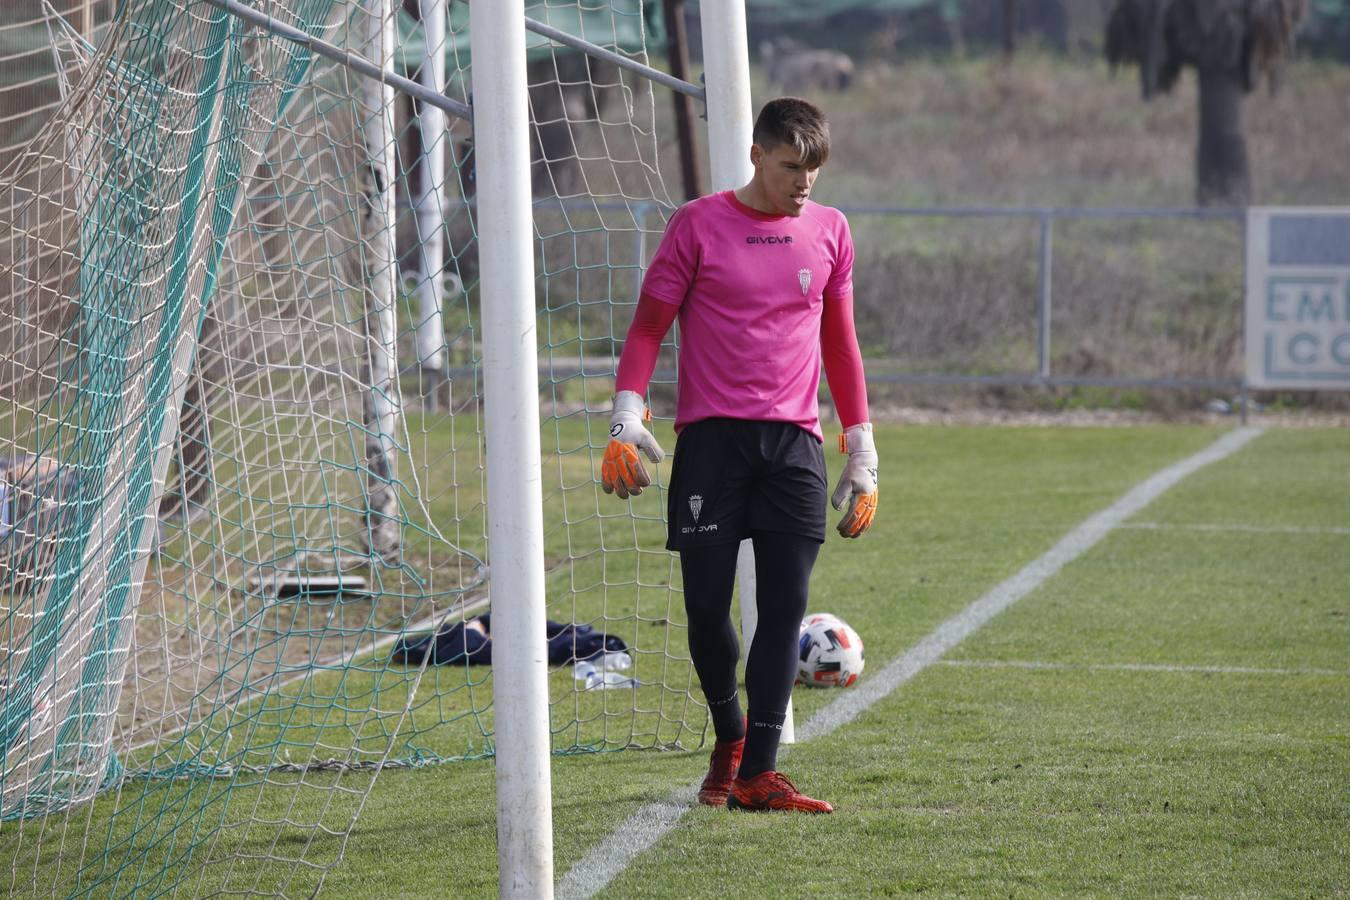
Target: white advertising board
1298,297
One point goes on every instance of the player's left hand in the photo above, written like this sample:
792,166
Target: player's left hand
858,483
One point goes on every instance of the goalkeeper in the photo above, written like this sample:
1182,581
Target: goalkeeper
761,281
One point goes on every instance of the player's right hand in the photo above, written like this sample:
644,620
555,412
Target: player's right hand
622,472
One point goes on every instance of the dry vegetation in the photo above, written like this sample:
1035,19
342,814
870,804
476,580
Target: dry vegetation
1050,132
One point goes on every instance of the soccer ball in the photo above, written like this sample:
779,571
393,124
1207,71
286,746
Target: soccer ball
816,618
830,652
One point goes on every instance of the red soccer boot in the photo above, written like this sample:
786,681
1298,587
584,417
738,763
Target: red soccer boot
726,759
772,790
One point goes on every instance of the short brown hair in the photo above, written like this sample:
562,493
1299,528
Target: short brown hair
798,122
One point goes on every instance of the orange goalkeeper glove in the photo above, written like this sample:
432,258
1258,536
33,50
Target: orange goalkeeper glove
858,483
622,472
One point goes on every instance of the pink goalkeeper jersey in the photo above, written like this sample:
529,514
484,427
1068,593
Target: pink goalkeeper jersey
750,288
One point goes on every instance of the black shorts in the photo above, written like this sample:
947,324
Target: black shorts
732,478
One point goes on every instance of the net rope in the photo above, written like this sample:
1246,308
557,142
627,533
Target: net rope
241,435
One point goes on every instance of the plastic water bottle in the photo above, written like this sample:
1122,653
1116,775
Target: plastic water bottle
585,672
615,661
616,680
593,678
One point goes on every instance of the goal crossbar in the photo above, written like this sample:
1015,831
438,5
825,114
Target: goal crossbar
656,75
363,66
356,63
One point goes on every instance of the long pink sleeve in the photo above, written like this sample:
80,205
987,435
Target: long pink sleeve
651,321
843,361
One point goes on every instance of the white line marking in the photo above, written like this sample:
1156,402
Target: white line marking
609,859
1248,529
1134,667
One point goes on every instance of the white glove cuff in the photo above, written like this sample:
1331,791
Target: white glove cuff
857,439
629,402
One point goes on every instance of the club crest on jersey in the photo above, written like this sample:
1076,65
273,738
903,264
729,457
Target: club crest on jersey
804,279
696,505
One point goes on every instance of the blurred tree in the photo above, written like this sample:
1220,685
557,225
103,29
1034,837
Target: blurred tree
1232,45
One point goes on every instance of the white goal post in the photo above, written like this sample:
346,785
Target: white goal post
515,501
524,827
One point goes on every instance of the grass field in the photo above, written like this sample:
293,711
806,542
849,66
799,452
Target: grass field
1169,714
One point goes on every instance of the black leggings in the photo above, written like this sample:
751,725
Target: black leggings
783,564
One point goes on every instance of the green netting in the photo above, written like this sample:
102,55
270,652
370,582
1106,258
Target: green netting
28,84
241,444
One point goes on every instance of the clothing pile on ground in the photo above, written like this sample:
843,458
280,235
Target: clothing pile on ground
471,642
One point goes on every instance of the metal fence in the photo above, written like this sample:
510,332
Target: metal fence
1153,297
1113,298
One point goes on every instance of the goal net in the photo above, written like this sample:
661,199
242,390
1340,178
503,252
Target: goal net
243,549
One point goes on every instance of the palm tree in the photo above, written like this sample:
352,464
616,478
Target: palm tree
1233,45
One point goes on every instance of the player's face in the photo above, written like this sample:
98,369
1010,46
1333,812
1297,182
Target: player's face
784,178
